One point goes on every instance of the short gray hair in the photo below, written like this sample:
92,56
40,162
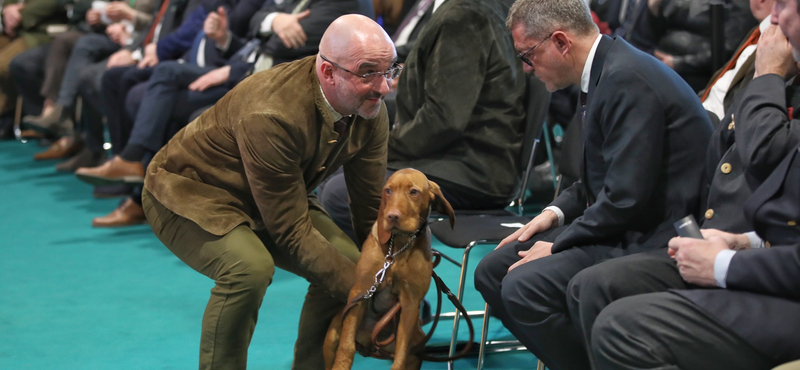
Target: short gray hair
542,17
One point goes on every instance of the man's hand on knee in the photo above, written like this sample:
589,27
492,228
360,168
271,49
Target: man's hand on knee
538,250
543,222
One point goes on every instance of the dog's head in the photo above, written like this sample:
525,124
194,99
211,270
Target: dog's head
406,202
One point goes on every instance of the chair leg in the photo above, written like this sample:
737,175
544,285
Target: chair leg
484,334
460,296
18,121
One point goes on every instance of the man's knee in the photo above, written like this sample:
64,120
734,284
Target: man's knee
250,276
617,324
490,272
526,293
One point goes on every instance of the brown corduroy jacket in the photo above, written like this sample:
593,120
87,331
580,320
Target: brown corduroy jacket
256,156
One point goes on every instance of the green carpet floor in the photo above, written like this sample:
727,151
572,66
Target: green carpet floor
77,297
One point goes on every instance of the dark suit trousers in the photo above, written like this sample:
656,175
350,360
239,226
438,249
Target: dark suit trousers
117,82
167,103
667,332
531,299
90,125
27,71
88,50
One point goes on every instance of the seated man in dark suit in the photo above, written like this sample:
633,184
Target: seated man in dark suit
741,156
751,323
644,133
460,110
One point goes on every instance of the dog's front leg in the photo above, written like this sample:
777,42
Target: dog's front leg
347,342
408,333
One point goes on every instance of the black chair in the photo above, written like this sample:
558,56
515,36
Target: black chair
473,228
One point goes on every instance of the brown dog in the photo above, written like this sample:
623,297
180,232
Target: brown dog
402,229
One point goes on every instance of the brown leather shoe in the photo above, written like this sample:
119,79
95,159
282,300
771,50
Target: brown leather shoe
115,170
30,134
65,147
127,214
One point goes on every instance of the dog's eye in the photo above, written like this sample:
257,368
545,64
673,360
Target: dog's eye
414,192
388,191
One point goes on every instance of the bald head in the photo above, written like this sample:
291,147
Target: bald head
353,34
355,46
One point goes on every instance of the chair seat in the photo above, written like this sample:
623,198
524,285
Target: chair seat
470,228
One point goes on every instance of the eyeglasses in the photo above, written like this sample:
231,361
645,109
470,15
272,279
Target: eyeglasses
370,77
523,56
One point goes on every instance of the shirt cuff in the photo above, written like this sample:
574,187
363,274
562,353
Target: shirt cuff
755,241
266,25
721,264
225,46
558,213
137,54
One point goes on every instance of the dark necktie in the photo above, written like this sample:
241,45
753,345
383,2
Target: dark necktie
414,14
340,127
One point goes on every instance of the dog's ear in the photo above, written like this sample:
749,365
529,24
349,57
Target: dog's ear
383,234
440,204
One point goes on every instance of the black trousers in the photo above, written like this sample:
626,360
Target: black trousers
531,299
667,332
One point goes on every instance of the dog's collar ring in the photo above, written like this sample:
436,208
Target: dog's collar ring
388,260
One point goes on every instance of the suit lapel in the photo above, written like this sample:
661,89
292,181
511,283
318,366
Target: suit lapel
594,79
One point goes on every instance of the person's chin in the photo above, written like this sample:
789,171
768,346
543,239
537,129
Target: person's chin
370,109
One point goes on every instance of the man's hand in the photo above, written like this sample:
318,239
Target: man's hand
118,33
210,79
734,241
538,250
216,26
665,58
121,58
695,258
150,57
93,17
120,10
543,222
774,54
288,29
12,18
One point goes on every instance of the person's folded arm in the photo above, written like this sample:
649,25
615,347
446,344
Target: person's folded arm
773,271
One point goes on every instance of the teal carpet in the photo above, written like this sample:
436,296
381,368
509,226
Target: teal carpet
76,297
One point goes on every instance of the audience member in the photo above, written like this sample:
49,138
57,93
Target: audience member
742,154
718,95
468,142
230,194
48,75
683,30
24,26
751,323
644,134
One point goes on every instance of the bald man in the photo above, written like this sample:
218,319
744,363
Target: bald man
230,194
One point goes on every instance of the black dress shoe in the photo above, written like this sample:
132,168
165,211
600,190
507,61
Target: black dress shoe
84,158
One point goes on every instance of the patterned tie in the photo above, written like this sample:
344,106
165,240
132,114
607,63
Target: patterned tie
413,16
752,40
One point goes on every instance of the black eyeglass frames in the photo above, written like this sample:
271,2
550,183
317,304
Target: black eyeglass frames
524,56
370,77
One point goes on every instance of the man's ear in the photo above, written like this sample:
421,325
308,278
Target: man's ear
562,42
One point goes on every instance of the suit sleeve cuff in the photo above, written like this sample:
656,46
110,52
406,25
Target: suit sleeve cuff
755,241
721,264
266,25
558,213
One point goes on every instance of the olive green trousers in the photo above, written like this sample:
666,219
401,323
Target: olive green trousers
242,264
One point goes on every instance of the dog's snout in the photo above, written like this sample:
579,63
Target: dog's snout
393,216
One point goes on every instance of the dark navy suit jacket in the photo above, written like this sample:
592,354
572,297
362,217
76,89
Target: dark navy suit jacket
645,138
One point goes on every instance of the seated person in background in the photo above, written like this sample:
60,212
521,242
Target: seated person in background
24,26
47,76
175,90
751,323
460,111
231,193
718,95
683,30
751,141
645,136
